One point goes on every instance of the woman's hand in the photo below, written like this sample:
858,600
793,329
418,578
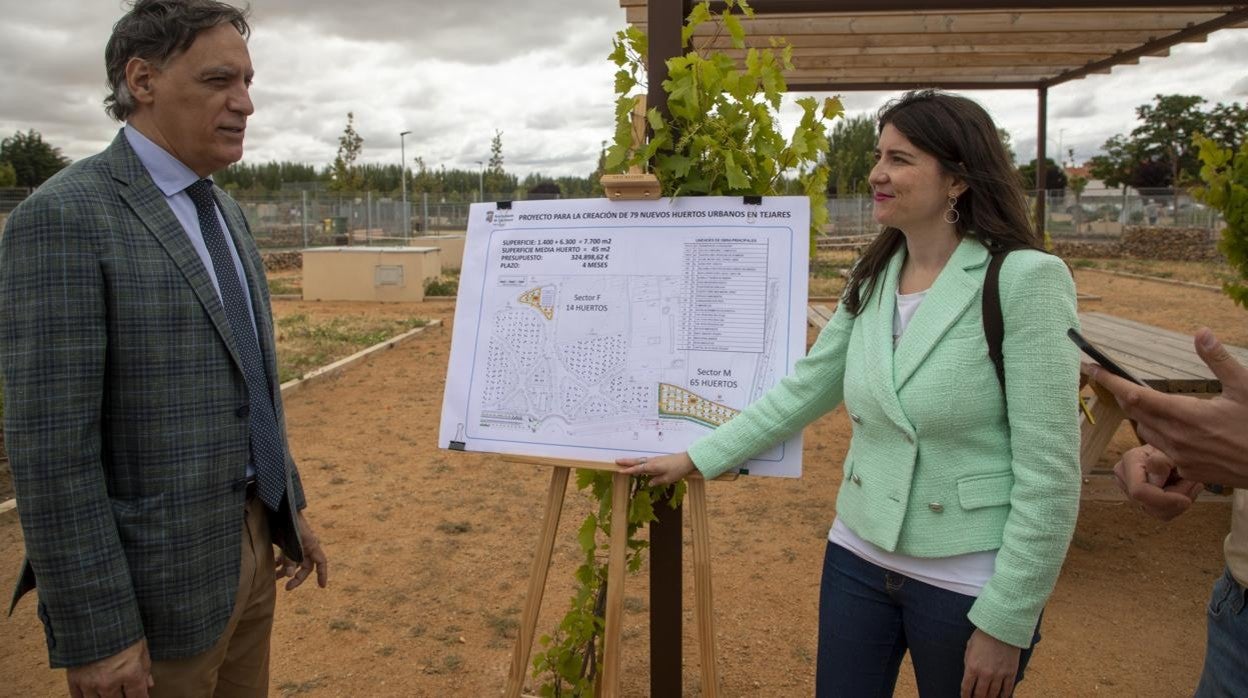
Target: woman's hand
662,470
991,667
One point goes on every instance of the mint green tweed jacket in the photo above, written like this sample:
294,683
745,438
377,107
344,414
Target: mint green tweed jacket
937,464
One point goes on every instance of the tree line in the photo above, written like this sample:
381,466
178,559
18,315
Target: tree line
1157,153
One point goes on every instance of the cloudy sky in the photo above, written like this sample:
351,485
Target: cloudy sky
454,72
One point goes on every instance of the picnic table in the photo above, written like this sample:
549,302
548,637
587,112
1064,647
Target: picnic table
1165,360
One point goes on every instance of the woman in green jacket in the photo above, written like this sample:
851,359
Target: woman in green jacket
960,494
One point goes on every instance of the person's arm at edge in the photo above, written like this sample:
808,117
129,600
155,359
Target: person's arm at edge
1041,395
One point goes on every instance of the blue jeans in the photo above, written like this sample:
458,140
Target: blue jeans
1226,671
869,617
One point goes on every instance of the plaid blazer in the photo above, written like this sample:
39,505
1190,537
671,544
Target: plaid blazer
125,415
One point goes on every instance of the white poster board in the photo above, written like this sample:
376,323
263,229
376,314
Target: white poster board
590,329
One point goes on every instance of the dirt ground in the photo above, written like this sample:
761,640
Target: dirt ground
431,551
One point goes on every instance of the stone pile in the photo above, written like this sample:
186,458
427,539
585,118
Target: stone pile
282,261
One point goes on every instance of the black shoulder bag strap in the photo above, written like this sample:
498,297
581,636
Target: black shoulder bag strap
994,324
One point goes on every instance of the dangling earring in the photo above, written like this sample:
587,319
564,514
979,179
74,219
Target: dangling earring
952,216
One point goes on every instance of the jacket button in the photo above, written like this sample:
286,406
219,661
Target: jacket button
243,411
857,479
909,439
936,507
855,418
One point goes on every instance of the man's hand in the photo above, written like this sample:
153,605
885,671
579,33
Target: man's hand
662,470
127,673
313,557
1142,475
991,667
1206,439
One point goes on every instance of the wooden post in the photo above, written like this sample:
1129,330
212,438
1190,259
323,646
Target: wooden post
704,608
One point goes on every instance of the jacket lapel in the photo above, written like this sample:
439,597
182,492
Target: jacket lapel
877,323
148,203
946,302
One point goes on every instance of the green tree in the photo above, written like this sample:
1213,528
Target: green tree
1225,176
496,180
8,175
1008,141
32,159
1116,163
851,156
1054,176
346,175
1165,136
1227,125
1077,185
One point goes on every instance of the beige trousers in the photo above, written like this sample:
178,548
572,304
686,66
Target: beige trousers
238,665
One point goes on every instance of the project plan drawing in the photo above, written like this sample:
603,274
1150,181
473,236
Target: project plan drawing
590,329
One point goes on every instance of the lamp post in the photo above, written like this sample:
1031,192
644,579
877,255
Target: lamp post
480,180
407,220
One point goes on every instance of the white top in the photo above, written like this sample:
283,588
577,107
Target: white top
963,574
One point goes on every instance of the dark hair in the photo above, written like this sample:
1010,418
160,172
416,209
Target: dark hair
157,30
965,141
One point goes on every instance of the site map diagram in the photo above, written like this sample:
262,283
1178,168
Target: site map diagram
600,340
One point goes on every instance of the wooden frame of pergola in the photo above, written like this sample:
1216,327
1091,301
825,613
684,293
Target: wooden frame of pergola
858,45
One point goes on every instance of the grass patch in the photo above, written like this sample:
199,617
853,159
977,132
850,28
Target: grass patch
505,624
305,343
283,287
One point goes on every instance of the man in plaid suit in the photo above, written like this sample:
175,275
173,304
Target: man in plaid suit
143,417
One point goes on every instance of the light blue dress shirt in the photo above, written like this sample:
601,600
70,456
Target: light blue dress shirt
172,178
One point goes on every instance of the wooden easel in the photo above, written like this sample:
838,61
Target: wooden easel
634,186
609,683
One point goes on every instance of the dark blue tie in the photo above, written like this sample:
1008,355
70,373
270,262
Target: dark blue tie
267,453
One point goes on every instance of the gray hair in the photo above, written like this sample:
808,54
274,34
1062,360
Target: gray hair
156,31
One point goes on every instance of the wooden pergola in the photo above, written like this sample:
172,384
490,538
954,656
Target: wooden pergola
857,45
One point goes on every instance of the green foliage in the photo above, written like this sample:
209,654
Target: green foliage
1115,164
571,659
346,176
8,175
1054,176
33,161
265,177
1165,134
441,287
850,156
1008,142
1225,175
1159,152
496,179
722,137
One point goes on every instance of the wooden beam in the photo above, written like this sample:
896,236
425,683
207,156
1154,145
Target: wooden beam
988,73
954,23
1196,31
768,7
933,60
1107,39
840,86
